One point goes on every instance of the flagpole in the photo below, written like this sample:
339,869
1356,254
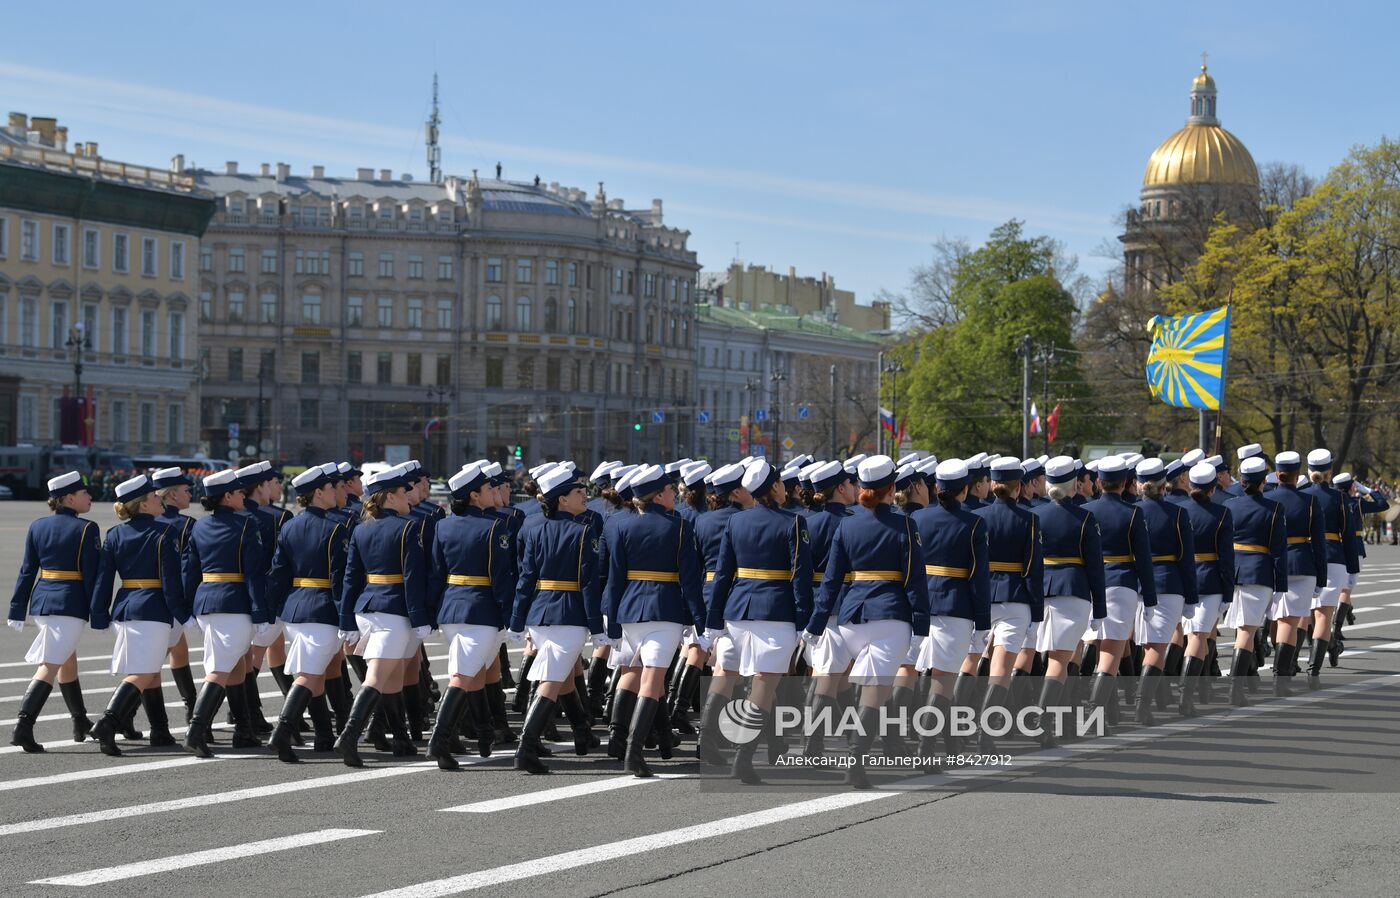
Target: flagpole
1224,367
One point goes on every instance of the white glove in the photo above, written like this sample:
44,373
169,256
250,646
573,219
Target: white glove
349,637
16,625
811,638
514,637
704,640
599,640
422,632
1365,490
1316,592
261,629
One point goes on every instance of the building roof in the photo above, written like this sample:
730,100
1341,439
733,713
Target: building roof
807,324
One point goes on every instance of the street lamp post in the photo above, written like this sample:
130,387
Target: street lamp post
78,341
749,387
436,392
777,377
894,369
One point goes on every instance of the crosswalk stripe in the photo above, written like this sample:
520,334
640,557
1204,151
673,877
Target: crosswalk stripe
103,772
544,796
202,858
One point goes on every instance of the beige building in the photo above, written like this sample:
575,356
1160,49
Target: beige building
97,282
376,316
756,289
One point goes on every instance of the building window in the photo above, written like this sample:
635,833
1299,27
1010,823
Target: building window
523,316
28,322
29,241
60,324
551,315
356,265
310,414
120,253
119,422
206,306
206,259
495,372
311,308
4,237
493,313
60,244
525,374
236,302
386,265
148,334
174,423
588,316
573,315
524,271
267,308
267,263
148,423
385,368
148,256
28,418
237,264
175,321
92,331
648,284
355,311
353,367
415,369
444,268
494,271
444,370
415,314
551,374
177,260
551,271
444,314
310,367
617,280
386,311
119,331
415,268
573,274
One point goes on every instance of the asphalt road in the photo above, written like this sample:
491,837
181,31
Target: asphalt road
1293,795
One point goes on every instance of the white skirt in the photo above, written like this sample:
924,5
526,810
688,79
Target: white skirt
723,656
1065,619
916,650
557,648
384,635
140,647
1201,617
1155,625
272,635
1122,605
470,648
226,640
1297,601
651,643
829,655
177,633
57,640
310,648
1250,605
1331,594
763,646
950,640
877,647
1011,626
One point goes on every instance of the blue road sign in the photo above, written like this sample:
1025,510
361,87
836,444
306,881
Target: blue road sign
658,417
757,450
803,412
733,435
703,416
760,414
233,431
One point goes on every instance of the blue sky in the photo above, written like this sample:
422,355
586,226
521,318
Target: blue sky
831,137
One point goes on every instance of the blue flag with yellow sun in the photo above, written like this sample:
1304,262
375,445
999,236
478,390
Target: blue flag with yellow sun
1186,365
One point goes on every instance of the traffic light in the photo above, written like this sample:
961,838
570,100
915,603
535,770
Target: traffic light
637,426
518,453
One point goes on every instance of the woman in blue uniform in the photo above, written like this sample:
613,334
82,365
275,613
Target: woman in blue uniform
223,574
1343,562
1307,566
727,497
762,594
1361,500
384,605
686,681
173,487
308,567
472,590
875,584
149,605
1174,574
1213,530
652,593
558,606
55,586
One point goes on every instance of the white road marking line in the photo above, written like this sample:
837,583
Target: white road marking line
178,704
174,731
115,769
201,858
544,796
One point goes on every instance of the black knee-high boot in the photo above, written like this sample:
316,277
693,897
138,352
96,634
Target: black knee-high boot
293,706
624,707
507,681
742,768
1283,668
707,747
1171,673
996,698
260,724
496,701
396,719
77,709
611,694
1319,652
34,697
211,696
521,700
1239,675
454,702
243,733
643,721
579,721
597,686
685,691
1147,688
319,710
184,682
869,723
964,696
527,755
153,703
124,701
338,697
413,707
1101,696
347,745
1050,695
480,711
1194,670
359,665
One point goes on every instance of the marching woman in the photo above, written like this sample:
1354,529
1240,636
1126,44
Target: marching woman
762,592
223,574
173,487
262,486
1307,565
1361,501
471,589
1343,561
383,604
1174,573
955,557
686,682
652,593
1213,530
558,606
833,493
56,582
1259,543
304,589
149,604
727,497
876,587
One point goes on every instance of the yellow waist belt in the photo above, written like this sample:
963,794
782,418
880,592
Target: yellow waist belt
151,583
817,576
559,585
221,578
659,576
46,574
1251,547
1165,557
762,573
939,570
311,582
467,580
1006,567
709,575
855,576
1118,559
384,579
1063,559
1207,556
1334,537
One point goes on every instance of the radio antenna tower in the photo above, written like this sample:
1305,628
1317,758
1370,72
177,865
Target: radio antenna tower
431,136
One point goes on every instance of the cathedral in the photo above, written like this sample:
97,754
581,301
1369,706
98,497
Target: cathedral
1198,172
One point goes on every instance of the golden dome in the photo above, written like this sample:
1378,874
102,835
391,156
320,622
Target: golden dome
1203,81
1201,154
